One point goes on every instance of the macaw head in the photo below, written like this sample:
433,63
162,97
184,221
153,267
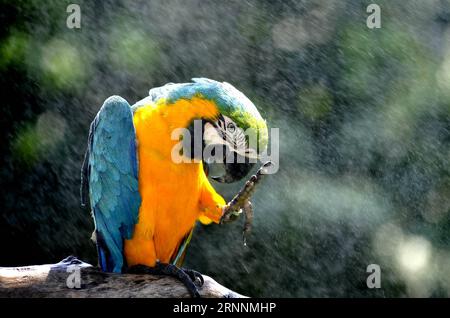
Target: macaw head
234,137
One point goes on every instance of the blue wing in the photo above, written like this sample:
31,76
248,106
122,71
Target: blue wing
110,174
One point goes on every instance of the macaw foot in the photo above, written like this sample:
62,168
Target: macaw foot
190,278
241,202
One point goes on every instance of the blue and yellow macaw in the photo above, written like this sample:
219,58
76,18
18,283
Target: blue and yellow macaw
144,204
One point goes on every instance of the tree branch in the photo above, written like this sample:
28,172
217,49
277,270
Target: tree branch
53,280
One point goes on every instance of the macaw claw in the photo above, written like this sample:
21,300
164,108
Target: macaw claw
248,213
190,278
241,202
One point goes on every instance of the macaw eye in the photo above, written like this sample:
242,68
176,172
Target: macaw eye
231,127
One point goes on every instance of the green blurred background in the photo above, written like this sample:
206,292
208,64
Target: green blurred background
364,118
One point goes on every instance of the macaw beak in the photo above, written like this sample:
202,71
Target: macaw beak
236,158
234,172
